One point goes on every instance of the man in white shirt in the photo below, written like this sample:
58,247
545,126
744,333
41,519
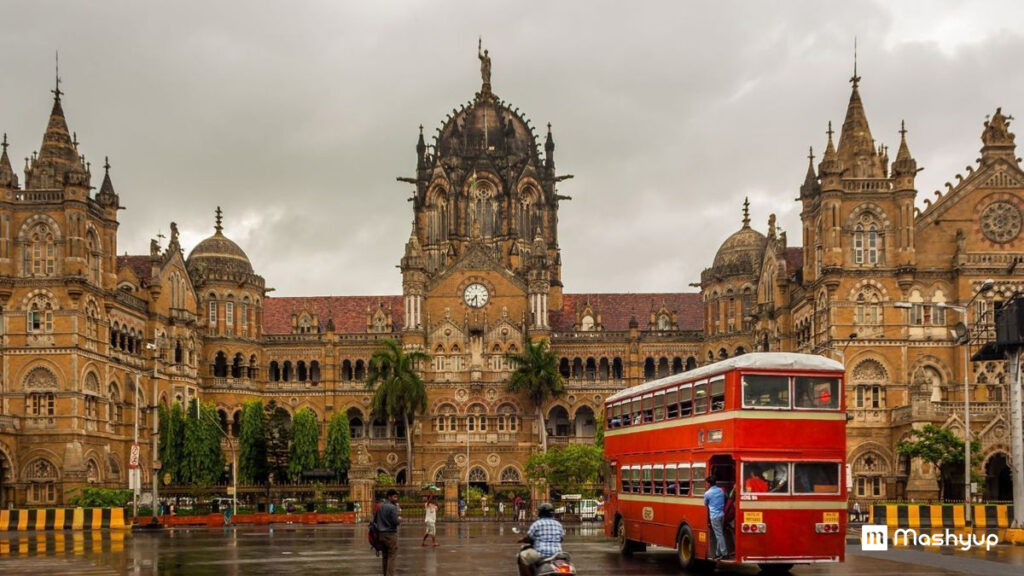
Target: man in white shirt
430,519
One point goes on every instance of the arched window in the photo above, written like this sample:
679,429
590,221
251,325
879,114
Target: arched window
664,322
314,371
867,240
40,254
603,369
507,418
868,311
677,365
178,355
220,365
93,256
300,370
42,479
355,423
236,365
591,373
563,368
577,368
253,372
662,367
40,316
476,418
587,323
286,371
346,370
115,410
511,476
617,368
446,420
649,369
477,475
360,370
275,371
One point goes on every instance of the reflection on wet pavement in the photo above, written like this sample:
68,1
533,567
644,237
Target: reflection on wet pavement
467,549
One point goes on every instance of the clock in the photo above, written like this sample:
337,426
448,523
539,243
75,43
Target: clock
476,295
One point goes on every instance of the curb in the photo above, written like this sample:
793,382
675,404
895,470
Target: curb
1015,536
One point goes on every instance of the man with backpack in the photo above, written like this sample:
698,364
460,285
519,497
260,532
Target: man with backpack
387,518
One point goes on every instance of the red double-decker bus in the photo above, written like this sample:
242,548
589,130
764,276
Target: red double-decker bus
770,427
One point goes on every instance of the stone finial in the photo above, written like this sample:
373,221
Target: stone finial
746,212
220,216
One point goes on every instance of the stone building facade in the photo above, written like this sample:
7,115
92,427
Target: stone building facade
92,341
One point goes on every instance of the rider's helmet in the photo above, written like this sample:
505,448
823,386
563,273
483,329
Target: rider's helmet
545,510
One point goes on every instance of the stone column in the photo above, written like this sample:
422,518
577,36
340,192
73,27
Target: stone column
362,481
451,488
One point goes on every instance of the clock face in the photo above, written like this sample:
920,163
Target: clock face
476,295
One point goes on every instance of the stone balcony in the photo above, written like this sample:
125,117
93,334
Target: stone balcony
8,422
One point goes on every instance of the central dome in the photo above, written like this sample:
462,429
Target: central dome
486,125
743,249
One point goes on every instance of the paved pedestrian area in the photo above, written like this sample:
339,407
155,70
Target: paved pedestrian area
467,549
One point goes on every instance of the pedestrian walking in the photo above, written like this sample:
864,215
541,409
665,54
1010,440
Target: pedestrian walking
856,511
501,510
387,518
462,507
430,520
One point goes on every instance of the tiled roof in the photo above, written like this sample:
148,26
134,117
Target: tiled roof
794,260
139,264
348,312
616,309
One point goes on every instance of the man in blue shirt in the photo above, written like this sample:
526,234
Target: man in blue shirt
545,535
714,499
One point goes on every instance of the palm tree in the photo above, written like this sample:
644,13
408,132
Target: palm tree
537,375
400,393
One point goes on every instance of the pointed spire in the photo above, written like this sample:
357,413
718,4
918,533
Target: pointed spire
905,163
746,212
549,150
58,156
856,146
810,185
8,179
855,80
107,187
218,227
830,164
421,151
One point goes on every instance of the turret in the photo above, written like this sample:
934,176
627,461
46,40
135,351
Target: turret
998,140
8,179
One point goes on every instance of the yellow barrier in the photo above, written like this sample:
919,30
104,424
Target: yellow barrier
63,519
940,516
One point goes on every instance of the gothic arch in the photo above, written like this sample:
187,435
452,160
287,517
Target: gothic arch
8,455
871,208
36,219
870,369
859,287
511,475
41,375
40,295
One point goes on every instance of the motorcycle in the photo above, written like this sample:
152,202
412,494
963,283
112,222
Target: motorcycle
560,563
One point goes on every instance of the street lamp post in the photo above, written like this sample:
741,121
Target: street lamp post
965,340
155,454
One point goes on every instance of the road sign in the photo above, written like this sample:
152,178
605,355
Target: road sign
133,459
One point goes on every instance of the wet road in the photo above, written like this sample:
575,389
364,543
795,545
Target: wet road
474,549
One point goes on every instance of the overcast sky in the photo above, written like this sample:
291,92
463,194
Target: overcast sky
296,117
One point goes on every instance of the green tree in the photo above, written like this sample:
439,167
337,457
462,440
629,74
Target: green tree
252,444
172,438
305,439
537,375
400,393
202,457
570,468
939,447
338,454
599,432
279,435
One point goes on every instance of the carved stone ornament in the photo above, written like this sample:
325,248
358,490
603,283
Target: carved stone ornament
460,459
392,458
869,371
1001,222
41,379
493,460
491,394
461,394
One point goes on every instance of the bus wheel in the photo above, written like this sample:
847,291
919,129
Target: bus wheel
775,568
626,546
686,550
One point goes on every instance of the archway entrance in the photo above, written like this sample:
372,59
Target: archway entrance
998,485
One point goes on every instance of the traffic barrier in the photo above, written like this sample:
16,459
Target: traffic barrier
940,516
62,519
258,519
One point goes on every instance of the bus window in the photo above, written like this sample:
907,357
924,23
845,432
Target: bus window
697,480
648,406
659,406
774,474
671,487
765,391
672,403
647,482
684,479
816,393
635,485
753,478
659,480
611,474
625,480
816,478
717,395
637,414
700,398
685,401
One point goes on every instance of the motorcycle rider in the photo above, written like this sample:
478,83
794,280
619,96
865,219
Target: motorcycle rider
545,537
